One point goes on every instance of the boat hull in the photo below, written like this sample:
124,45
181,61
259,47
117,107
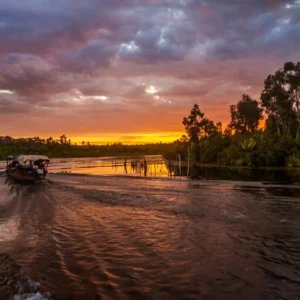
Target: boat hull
24,176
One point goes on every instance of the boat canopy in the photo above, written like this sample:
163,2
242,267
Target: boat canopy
34,158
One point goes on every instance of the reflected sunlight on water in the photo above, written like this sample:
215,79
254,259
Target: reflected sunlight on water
138,166
8,230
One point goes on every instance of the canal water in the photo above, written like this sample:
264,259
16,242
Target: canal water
157,166
83,235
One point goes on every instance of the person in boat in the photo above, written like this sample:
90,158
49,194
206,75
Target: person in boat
13,164
29,168
42,167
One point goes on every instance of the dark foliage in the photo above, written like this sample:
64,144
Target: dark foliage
243,143
64,148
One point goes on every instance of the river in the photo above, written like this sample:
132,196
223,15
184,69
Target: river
110,236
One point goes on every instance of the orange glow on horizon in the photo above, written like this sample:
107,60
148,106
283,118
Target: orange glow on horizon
129,139
126,139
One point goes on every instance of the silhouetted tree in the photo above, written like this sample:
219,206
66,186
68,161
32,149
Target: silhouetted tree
209,128
197,126
192,123
183,139
49,140
219,127
245,115
63,139
281,100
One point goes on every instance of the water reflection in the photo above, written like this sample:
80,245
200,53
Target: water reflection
156,166
134,166
279,176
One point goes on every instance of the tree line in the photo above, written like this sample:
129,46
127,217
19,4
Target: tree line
63,147
243,142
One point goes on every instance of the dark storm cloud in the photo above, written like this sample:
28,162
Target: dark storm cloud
91,57
180,23
34,25
89,34
24,73
241,28
29,75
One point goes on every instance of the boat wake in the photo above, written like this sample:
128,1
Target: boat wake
106,237
14,284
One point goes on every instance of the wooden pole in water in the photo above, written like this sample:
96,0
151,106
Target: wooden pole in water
188,166
125,165
179,165
174,169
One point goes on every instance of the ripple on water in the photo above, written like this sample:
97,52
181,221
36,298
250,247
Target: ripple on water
14,284
116,238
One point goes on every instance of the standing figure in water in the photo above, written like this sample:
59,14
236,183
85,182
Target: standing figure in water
145,167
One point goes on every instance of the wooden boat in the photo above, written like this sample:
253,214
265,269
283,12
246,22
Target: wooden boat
27,168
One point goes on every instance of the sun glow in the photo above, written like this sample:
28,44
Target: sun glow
128,139
150,89
103,98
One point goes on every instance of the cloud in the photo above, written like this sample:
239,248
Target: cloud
186,91
208,52
11,105
28,75
94,55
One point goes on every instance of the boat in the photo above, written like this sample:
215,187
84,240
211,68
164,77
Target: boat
27,168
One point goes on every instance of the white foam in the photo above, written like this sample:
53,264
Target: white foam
37,296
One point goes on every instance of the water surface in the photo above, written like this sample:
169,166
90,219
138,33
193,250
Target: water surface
116,237
157,166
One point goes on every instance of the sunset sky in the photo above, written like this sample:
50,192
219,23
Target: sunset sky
129,70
